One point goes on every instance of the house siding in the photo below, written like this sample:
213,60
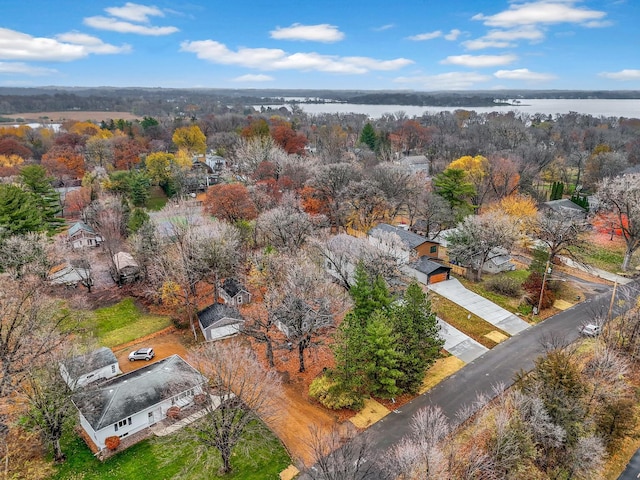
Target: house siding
99,374
213,333
139,420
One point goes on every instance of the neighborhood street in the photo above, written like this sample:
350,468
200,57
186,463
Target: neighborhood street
497,366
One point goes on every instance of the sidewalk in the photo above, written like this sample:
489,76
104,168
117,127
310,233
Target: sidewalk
596,272
459,344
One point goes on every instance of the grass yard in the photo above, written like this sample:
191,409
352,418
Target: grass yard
466,322
605,257
157,199
170,458
508,303
124,322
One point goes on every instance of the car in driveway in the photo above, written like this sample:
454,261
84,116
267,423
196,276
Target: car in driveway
142,354
590,330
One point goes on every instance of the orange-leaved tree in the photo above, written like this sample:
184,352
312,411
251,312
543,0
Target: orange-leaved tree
230,202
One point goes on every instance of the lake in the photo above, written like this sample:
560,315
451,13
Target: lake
594,107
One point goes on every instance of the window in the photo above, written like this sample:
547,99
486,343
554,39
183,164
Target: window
122,423
433,249
239,300
113,369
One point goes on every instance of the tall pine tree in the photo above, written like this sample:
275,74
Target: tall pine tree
418,338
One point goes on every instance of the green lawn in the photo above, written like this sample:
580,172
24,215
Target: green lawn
607,258
124,322
508,303
157,199
170,458
464,321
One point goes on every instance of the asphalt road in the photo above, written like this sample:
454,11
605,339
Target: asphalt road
632,472
497,366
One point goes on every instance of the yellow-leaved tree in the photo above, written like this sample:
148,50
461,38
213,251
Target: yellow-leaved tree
190,139
477,173
520,209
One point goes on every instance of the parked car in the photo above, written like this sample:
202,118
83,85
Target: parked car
590,330
142,354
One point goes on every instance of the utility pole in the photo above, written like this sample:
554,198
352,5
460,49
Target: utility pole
544,280
613,297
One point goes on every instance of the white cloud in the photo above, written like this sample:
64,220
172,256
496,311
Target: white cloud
479,61
523,74
115,25
452,35
384,27
481,44
505,38
541,12
316,33
253,78
425,36
277,59
624,75
135,12
446,81
20,68
65,48
92,44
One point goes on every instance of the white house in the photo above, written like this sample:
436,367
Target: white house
82,235
130,403
219,321
81,370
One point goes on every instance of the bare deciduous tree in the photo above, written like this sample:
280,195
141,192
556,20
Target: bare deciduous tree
285,227
243,396
558,233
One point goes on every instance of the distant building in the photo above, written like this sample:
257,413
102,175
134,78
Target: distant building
81,235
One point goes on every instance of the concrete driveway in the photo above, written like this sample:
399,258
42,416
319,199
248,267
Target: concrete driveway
459,344
454,291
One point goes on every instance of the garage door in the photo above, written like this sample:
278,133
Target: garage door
438,277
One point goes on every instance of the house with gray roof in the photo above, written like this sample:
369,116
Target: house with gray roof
219,321
413,245
90,367
566,209
130,403
81,235
234,293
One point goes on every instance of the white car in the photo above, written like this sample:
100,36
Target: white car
590,330
142,354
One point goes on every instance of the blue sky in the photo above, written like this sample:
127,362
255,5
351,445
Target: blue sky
423,45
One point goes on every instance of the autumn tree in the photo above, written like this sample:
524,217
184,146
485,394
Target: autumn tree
285,227
330,182
479,238
621,196
306,305
366,203
244,396
287,138
476,172
191,139
32,326
126,152
230,202
558,233
50,411
99,152
62,161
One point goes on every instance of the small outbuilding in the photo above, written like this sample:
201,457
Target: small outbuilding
124,269
234,293
219,321
90,367
70,276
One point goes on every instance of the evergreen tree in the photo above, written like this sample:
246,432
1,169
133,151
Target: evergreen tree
19,211
453,186
368,136
35,180
418,338
139,188
368,296
382,357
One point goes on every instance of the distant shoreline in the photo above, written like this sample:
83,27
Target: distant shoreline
62,116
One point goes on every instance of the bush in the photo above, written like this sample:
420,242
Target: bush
173,412
533,287
332,395
504,286
112,442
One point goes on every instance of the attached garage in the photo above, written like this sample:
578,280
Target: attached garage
427,271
